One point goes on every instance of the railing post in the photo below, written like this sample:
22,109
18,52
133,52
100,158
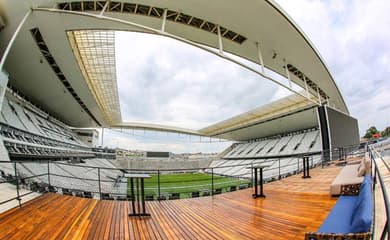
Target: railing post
374,173
158,184
279,169
100,188
212,181
48,173
340,150
252,180
17,185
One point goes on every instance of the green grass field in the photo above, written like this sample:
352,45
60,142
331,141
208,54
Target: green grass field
186,183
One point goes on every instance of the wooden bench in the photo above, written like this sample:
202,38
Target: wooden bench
350,218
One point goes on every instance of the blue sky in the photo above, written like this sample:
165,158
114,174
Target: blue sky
164,81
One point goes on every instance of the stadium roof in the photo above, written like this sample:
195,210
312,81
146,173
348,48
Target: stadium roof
67,48
232,128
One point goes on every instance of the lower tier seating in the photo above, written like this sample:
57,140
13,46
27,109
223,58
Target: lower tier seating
279,167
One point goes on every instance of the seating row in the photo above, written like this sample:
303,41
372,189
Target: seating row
277,146
25,117
279,167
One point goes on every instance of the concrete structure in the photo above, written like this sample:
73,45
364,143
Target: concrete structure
53,48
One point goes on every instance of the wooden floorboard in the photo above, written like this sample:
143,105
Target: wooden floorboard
292,207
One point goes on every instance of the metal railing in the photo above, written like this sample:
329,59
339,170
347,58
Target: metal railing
15,180
108,183
42,175
378,177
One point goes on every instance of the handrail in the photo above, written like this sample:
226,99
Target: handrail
377,174
140,169
380,156
155,170
285,169
16,198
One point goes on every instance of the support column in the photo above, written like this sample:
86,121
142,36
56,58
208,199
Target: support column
323,124
164,20
3,75
104,8
102,136
287,73
306,87
3,86
260,57
319,96
219,40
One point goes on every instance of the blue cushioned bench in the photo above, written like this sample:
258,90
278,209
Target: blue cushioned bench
350,218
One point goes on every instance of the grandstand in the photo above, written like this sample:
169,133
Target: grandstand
307,142
58,85
28,132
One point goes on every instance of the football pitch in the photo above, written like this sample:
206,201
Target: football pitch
186,183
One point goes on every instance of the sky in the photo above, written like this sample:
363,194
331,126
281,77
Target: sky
167,82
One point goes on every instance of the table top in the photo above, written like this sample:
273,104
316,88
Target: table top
137,175
259,166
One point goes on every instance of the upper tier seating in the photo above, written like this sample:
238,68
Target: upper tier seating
25,144
38,123
284,151
30,133
306,142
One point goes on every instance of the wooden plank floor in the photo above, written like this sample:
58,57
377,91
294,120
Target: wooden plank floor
282,214
318,183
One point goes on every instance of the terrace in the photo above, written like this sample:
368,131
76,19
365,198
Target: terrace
283,214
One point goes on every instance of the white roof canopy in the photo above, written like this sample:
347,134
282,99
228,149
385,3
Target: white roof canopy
263,35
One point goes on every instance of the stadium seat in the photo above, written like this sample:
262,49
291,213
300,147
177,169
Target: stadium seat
52,189
195,194
162,197
66,191
206,193
174,196
121,198
149,198
129,197
106,196
78,194
217,191
87,194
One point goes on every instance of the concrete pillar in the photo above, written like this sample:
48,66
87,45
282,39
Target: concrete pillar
3,86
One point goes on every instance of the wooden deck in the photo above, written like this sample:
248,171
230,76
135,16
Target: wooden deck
319,182
283,214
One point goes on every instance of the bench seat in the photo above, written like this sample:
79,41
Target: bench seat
335,222
350,177
350,218
346,177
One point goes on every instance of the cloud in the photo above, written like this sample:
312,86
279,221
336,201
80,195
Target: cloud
350,36
168,82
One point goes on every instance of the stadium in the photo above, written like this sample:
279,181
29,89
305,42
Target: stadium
295,168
